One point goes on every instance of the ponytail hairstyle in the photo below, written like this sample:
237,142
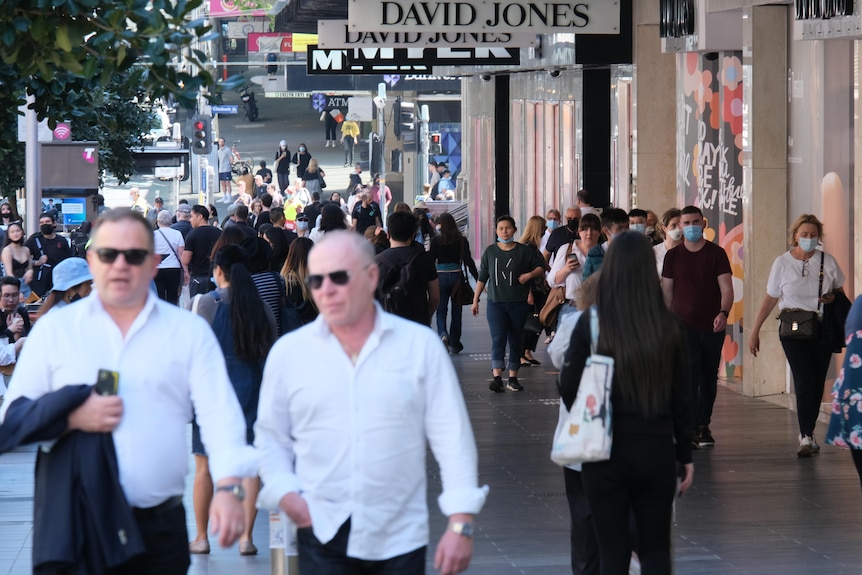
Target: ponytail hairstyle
252,338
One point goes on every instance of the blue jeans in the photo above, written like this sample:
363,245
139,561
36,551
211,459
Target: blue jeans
506,321
449,281
316,558
704,356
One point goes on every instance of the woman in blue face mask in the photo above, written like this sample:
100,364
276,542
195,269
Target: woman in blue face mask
507,270
795,284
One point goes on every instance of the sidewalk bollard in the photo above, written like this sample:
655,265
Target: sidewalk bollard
283,558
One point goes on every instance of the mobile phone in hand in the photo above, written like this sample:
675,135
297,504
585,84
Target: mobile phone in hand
107,382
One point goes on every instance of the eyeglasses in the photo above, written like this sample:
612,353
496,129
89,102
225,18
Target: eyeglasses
805,267
339,278
134,257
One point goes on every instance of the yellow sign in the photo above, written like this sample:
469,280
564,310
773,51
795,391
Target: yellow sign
301,41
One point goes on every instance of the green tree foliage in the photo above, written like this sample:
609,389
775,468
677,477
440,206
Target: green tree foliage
84,60
65,48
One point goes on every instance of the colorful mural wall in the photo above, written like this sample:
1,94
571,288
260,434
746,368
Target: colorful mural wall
709,166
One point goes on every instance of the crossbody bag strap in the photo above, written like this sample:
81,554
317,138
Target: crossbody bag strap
594,329
181,261
820,287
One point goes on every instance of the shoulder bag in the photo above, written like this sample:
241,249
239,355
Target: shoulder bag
556,298
798,323
584,434
464,292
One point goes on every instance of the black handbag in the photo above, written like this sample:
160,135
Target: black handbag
533,325
798,323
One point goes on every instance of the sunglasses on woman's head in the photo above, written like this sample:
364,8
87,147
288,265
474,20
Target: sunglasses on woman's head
339,278
134,257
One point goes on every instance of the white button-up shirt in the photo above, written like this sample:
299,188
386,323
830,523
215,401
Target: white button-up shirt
168,362
351,438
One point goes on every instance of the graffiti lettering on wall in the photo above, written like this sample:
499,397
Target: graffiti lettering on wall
717,188
710,167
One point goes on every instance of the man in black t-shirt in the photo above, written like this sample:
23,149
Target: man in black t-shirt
312,210
48,249
563,235
196,255
424,289
264,172
366,213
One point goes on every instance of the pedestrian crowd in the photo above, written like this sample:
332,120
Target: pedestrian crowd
356,288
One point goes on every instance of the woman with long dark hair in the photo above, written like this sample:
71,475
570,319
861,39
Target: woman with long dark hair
651,409
17,259
331,218
300,308
451,250
245,329
278,242
507,269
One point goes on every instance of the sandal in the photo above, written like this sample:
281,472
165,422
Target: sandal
526,362
550,338
535,361
247,548
201,547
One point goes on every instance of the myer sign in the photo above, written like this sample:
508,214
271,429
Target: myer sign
338,34
595,17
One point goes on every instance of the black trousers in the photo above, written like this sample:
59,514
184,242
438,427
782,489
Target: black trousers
168,282
809,362
316,558
585,549
704,357
167,548
639,480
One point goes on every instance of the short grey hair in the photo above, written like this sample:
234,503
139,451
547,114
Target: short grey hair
164,218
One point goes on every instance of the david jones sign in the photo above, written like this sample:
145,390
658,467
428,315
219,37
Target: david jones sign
541,17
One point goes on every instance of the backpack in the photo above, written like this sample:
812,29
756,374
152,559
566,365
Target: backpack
395,288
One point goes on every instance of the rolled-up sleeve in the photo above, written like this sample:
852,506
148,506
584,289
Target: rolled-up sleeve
272,437
218,412
450,436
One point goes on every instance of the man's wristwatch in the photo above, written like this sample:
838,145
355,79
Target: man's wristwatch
725,312
236,490
462,528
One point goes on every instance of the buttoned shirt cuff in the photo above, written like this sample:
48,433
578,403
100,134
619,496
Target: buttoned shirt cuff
276,487
241,461
463,500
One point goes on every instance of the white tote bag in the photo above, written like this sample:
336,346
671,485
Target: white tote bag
584,434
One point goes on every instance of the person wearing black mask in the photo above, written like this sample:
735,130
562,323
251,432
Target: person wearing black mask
563,235
48,249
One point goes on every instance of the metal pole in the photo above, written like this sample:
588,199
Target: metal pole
283,558
33,203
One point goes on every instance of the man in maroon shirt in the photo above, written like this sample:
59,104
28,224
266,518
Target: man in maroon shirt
698,288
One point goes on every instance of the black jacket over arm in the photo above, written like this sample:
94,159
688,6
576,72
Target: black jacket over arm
81,517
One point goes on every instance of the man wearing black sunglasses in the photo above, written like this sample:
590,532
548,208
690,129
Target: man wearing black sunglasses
330,445
145,411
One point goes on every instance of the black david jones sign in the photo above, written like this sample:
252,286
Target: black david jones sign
676,18
404,60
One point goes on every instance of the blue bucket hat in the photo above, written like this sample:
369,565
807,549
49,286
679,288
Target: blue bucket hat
71,272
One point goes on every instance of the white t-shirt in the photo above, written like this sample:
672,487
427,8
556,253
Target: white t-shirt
165,239
544,241
573,280
794,290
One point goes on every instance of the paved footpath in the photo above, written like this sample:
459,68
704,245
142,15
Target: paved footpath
754,508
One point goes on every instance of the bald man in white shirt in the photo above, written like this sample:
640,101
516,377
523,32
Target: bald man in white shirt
343,452
119,328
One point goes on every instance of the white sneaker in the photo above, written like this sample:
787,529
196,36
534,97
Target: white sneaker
806,447
814,447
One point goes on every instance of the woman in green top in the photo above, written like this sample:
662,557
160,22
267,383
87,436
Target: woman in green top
507,270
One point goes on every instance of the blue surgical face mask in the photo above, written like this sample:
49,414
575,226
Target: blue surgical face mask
808,244
693,233
301,226
553,224
212,279
502,241
302,148
639,228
